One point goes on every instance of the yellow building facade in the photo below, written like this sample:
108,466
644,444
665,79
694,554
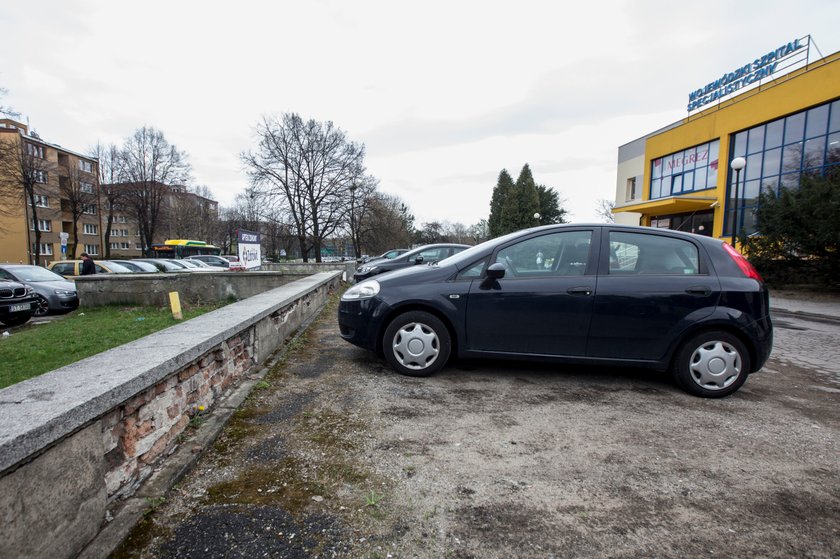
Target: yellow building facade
680,177
60,180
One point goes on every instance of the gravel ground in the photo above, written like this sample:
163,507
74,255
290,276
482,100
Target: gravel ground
336,456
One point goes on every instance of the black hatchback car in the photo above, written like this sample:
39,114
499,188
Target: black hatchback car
423,255
598,294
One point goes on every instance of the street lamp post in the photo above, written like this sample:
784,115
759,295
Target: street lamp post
737,164
537,217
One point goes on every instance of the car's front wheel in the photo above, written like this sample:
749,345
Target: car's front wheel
417,344
712,365
42,306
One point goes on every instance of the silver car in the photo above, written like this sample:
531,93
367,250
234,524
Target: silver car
55,294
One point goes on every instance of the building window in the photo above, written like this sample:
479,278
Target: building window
90,229
119,232
89,209
35,151
138,246
85,166
120,219
686,171
86,187
42,201
120,246
93,250
634,190
43,225
778,153
40,175
45,249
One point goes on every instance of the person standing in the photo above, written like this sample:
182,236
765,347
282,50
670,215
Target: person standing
88,267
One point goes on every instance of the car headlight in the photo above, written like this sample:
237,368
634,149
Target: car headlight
30,292
364,290
366,269
64,292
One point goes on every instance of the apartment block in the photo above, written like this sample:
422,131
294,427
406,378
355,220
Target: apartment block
46,190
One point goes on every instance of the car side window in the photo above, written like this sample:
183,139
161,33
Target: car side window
474,271
638,253
6,275
557,254
432,255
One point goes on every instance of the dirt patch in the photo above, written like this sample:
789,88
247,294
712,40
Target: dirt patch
338,457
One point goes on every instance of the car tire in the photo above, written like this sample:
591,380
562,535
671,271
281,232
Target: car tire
416,344
42,306
16,320
711,365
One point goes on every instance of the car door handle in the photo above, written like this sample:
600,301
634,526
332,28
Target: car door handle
699,290
579,291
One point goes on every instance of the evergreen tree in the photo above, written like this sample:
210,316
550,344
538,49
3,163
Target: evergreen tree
526,201
550,210
501,193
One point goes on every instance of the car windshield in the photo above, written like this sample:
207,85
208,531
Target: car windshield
114,267
35,273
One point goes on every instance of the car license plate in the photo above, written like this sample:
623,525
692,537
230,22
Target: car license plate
20,307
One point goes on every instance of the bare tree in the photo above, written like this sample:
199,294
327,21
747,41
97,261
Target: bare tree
148,164
24,168
605,210
362,198
78,195
309,168
112,193
387,224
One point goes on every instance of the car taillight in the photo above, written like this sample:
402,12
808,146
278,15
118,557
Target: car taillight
744,264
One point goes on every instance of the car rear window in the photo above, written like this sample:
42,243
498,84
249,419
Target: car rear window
638,253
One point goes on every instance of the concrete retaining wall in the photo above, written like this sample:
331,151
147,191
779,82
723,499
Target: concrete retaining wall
195,288
77,438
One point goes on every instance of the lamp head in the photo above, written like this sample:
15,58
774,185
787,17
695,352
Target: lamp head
738,163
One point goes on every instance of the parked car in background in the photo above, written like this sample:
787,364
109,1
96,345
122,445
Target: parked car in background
214,260
138,266
597,294
53,293
17,303
423,255
163,265
203,265
69,268
387,255
235,264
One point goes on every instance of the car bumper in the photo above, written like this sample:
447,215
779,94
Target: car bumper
360,322
16,308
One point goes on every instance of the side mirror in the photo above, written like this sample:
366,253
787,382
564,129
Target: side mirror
419,259
496,271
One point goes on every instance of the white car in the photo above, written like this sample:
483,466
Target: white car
222,262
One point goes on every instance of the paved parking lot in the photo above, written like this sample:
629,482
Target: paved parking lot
336,456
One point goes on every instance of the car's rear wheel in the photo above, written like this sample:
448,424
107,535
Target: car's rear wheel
16,320
42,306
712,365
417,344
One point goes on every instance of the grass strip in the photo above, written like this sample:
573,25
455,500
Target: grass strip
39,348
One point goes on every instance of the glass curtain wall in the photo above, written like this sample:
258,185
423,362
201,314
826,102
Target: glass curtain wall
778,153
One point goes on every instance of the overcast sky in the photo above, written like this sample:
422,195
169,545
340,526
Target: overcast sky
443,94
